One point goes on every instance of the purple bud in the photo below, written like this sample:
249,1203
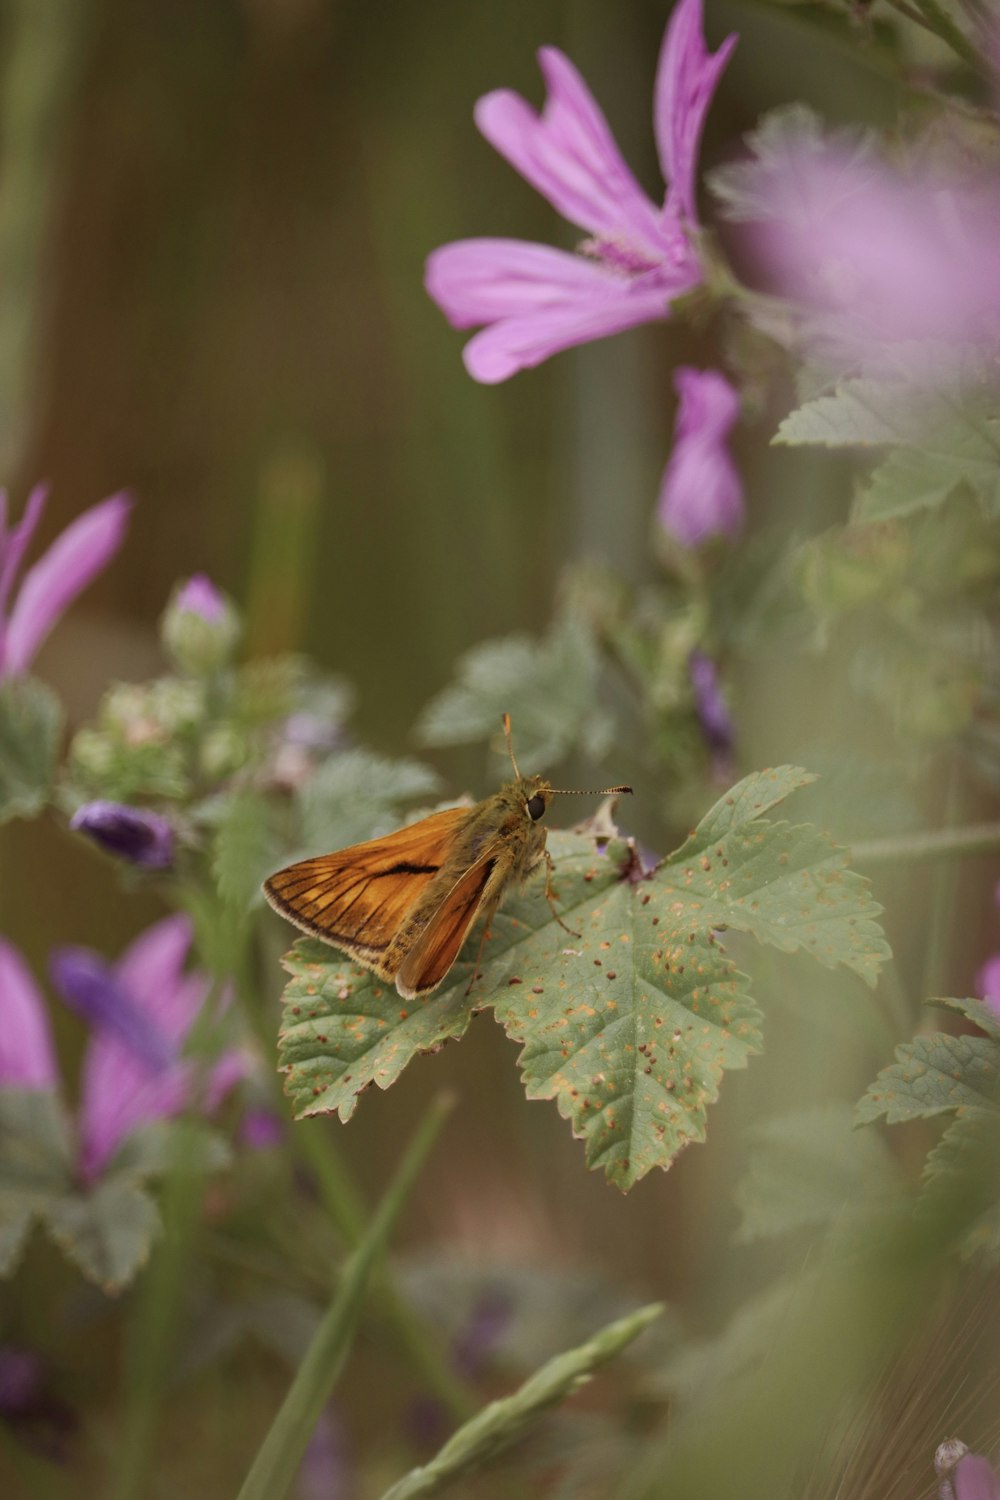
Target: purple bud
20,1379
261,1129
702,493
200,627
91,988
988,983
199,596
710,705
325,1471
144,838
476,1342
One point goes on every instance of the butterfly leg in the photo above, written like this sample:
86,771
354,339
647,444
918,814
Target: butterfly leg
479,953
550,895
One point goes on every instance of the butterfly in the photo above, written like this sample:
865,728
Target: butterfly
403,905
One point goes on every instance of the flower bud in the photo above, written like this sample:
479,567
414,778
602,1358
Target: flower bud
142,837
200,627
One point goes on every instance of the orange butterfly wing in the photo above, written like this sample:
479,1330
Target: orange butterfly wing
426,964
359,898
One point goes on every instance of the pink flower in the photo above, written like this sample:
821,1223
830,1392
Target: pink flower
881,258
140,1011
974,1479
27,1057
50,586
702,493
638,258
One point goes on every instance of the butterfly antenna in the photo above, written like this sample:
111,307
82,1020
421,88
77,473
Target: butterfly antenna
510,747
597,791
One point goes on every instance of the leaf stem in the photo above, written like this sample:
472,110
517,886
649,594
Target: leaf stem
937,843
281,1452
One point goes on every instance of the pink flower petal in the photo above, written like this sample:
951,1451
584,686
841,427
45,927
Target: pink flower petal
69,565
477,281
686,78
14,545
570,156
514,344
27,1056
151,972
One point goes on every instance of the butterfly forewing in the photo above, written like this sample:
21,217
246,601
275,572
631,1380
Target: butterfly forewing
359,898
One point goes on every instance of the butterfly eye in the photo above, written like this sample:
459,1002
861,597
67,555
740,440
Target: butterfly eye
535,806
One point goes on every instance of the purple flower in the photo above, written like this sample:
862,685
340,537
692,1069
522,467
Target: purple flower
882,259
133,833
987,981
702,493
20,1379
710,705
141,1011
638,256
53,582
261,1129
27,1057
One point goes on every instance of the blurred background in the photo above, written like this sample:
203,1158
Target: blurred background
213,224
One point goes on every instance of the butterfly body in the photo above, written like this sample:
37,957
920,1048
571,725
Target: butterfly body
402,905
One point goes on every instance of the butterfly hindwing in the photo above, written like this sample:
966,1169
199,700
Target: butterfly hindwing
427,963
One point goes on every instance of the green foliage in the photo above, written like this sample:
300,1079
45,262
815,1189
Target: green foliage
549,688
106,1230
942,1074
629,1020
31,720
247,847
862,413
503,1422
811,1169
355,794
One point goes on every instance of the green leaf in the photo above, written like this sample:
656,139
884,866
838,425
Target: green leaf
503,1422
107,1232
861,413
31,720
811,1168
344,1029
627,1020
548,687
956,1075
35,1164
927,472
247,847
356,794
788,886
107,1228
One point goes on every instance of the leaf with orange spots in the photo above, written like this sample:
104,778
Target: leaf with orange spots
344,1029
788,885
629,1019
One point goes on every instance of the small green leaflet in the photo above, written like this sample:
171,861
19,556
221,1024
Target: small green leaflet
959,1076
547,686
106,1230
31,720
629,1021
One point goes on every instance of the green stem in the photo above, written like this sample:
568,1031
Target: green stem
938,843
281,1452
154,1330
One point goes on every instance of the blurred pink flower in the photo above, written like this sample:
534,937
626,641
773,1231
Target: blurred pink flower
973,1479
536,300
880,256
702,493
140,1011
27,1057
50,586
136,834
